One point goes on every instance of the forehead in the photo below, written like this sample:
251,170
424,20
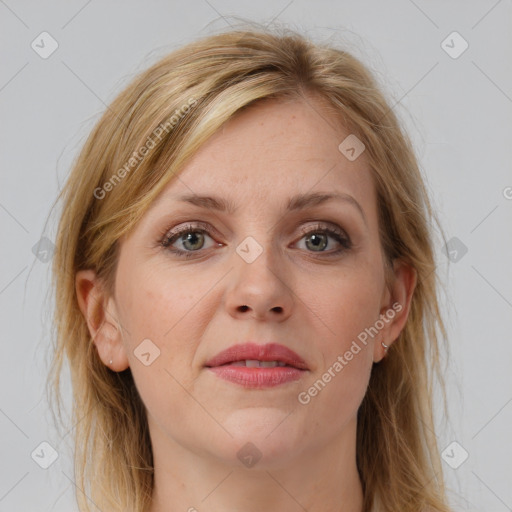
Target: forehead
271,150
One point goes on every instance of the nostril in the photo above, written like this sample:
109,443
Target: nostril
244,308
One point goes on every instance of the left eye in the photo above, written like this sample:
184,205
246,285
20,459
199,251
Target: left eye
317,239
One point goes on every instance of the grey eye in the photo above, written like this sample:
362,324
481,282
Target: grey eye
193,240
317,241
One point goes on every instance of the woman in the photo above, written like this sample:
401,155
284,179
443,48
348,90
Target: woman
245,289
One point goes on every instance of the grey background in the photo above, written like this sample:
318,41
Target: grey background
457,110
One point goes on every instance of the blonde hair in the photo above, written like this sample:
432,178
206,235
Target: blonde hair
218,76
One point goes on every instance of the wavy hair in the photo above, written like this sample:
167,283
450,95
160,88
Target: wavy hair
110,187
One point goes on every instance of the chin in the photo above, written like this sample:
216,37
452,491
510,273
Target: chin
264,433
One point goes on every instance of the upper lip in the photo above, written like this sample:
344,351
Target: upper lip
254,351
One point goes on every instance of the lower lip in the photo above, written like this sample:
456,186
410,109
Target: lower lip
258,377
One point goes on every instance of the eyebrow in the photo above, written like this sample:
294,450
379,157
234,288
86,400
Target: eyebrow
295,203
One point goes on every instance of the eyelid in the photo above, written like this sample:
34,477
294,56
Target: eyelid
192,225
322,225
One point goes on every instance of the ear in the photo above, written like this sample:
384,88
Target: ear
100,314
395,306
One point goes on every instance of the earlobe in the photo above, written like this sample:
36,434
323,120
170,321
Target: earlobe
395,311
99,313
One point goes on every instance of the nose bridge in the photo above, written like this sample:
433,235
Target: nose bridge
259,283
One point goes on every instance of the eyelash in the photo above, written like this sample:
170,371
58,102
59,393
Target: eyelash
200,227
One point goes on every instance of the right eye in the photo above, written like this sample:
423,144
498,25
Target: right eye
191,237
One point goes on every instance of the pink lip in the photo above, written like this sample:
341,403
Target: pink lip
258,377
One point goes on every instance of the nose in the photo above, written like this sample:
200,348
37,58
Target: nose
259,289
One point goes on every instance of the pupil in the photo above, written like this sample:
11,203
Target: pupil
190,238
317,241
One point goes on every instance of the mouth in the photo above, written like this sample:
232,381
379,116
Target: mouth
254,363
258,366
253,355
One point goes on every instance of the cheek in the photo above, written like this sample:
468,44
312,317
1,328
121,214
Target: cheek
170,309
164,308
346,307
347,302
162,304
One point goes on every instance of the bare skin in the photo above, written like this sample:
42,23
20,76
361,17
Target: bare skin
307,297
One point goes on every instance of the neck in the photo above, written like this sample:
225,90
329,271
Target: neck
321,479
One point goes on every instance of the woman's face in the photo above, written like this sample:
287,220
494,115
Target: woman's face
262,273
